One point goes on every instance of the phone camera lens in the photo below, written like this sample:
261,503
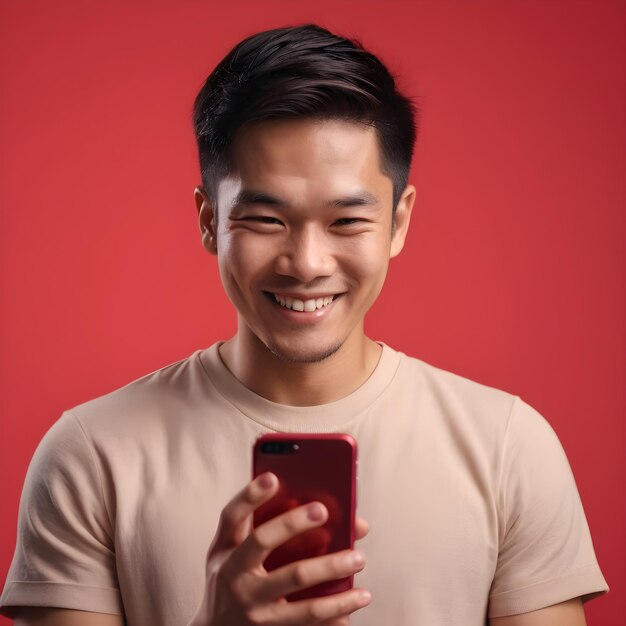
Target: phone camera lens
274,447
280,447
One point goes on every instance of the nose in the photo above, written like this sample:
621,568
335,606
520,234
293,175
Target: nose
306,255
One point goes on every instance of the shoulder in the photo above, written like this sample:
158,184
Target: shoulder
140,406
453,394
485,418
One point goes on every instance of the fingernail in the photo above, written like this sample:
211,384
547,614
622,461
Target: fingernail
358,558
266,481
315,512
365,595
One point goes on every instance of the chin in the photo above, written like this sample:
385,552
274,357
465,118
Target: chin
301,353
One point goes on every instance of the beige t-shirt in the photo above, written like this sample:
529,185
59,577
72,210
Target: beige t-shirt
472,504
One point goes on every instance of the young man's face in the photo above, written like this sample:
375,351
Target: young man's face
305,218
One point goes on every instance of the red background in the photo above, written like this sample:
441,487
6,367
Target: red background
514,269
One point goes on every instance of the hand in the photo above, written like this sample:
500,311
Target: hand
241,592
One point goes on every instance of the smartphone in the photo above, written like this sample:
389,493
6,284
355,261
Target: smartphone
310,467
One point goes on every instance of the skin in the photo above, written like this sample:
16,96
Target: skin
307,245
296,243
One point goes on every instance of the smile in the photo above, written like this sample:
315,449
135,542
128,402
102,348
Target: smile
296,304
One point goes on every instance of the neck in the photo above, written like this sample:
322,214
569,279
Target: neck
301,384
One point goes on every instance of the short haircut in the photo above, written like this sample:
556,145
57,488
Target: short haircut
302,72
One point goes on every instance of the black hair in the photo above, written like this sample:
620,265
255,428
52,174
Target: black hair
302,72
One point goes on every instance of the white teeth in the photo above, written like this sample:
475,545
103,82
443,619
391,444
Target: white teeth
303,305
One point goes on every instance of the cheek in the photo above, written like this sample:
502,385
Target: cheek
368,261
242,257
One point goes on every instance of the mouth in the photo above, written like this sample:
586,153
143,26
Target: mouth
308,305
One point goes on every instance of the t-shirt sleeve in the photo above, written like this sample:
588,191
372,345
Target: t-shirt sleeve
546,554
64,555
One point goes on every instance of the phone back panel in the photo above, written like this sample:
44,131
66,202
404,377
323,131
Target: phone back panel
322,468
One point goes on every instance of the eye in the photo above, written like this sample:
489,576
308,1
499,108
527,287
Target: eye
348,220
264,219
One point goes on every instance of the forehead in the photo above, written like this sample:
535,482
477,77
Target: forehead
308,159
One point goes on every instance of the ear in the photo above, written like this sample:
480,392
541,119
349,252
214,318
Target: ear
207,220
403,217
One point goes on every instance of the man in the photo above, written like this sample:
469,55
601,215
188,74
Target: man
137,505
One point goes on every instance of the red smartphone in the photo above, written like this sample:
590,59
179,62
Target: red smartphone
310,467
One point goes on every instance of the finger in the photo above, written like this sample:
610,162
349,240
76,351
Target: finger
361,528
234,518
316,610
307,573
259,543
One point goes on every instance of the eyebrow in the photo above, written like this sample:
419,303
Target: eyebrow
251,196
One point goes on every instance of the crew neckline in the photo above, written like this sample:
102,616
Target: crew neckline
285,418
